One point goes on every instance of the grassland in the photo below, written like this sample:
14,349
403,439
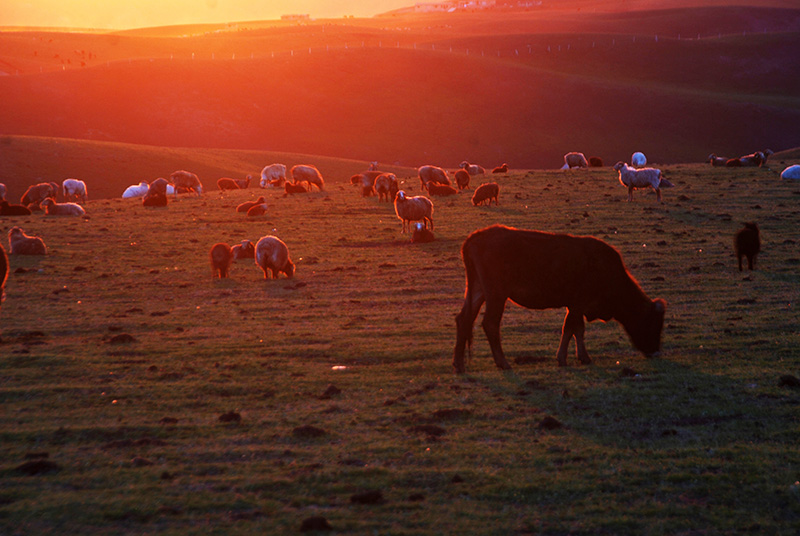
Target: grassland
703,440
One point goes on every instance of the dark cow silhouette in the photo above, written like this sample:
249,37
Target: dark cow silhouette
541,270
747,243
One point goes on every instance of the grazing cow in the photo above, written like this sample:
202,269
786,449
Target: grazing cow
539,270
747,243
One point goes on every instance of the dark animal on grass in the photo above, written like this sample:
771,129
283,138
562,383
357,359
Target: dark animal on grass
221,258
257,210
575,160
386,186
22,244
539,270
757,159
247,205
37,193
294,188
595,161
308,174
160,186
186,179
408,209
7,209
272,254
747,243
226,183
432,174
717,161
154,199
3,273
441,190
421,235
503,168
462,179
485,193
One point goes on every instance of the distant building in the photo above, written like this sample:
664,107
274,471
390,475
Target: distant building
453,5
304,16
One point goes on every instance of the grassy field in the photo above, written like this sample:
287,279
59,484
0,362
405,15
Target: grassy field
140,396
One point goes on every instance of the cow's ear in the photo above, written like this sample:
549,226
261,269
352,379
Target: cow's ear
661,305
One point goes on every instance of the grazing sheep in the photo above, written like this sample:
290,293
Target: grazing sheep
472,169
716,161
155,199
408,209
247,205
257,210
747,243
462,179
641,178
37,193
539,270
503,168
595,161
2,191
3,273
136,190
638,159
226,183
7,209
245,250
308,174
366,181
273,175
221,258
441,189
294,188
421,234
575,160
485,193
51,208
386,186
74,188
791,172
186,179
272,254
432,174
22,244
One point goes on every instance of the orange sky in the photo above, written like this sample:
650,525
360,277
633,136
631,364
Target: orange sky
123,14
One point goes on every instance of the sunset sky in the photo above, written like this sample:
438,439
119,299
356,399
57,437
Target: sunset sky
142,13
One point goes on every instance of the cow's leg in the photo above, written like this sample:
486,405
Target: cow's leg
491,326
573,327
465,320
630,194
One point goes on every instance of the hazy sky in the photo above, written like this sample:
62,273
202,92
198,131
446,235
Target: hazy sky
141,13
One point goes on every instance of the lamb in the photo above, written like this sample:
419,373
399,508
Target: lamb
186,179
37,193
791,172
716,161
462,179
472,169
421,235
294,188
747,243
52,208
257,210
641,178
503,168
575,160
136,190
22,244
273,175
226,183
245,250
386,186
408,209
595,161
441,189
7,209
638,160
485,193
308,174
221,258
155,199
74,188
432,174
247,205
272,254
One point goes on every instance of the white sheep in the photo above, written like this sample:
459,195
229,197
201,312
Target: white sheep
472,169
273,175
136,190
272,254
638,159
22,244
432,174
186,179
634,178
51,208
410,209
791,172
309,174
74,188
575,160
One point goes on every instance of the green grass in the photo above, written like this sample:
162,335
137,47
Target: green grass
702,440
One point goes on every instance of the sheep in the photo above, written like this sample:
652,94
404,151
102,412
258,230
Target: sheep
245,250
2,191
503,168
161,186
421,235
432,174
641,178
221,258
136,190
638,159
791,172
52,208
472,169
37,193
257,210
273,175
716,161
294,188
272,254
186,179
226,183
74,188
486,192
756,159
440,189
408,209
575,160
309,174
747,243
22,244
247,205
155,199
462,179
386,186
367,182
595,161
7,209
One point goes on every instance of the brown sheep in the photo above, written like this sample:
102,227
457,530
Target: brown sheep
294,188
441,190
257,210
308,174
247,205
22,244
272,254
421,235
7,209
462,179
221,258
595,161
386,186
501,169
245,250
485,193
37,193
186,179
154,199
226,183
747,243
